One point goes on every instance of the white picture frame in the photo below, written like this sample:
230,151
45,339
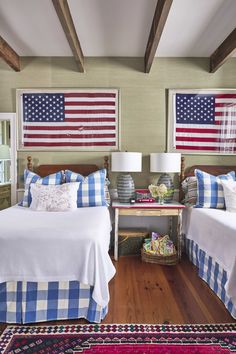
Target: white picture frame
94,126
214,136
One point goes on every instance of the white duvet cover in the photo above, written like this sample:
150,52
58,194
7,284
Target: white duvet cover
55,246
214,230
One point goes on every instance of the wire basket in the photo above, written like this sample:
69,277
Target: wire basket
159,259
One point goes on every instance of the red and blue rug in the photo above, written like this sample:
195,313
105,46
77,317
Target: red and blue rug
120,338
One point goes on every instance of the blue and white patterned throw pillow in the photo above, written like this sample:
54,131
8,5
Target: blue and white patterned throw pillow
91,190
210,193
31,177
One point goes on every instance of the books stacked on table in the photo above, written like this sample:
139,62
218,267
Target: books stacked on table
143,196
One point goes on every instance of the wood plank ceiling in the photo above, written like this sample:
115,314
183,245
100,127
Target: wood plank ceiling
217,59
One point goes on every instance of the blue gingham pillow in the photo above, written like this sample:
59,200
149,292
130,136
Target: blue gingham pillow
91,190
210,190
31,177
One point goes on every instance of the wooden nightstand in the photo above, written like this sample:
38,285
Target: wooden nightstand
148,209
5,195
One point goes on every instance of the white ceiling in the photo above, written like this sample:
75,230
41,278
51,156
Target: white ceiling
194,28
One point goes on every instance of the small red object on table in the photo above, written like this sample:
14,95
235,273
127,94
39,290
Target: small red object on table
144,196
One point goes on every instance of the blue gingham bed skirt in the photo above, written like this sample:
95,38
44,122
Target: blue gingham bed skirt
211,272
29,302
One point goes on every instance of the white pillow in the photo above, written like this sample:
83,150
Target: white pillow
230,195
54,198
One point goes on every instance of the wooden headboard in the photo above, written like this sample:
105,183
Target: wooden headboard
83,169
214,170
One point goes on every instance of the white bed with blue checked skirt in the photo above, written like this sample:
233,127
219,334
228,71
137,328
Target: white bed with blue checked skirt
29,302
210,243
54,265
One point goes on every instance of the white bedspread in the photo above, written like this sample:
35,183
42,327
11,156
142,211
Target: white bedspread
214,230
56,246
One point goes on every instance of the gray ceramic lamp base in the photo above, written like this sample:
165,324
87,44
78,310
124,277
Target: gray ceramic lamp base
167,180
125,188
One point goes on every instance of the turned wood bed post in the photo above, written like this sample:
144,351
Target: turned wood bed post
106,164
181,178
182,168
29,163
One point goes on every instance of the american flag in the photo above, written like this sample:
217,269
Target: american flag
70,119
205,122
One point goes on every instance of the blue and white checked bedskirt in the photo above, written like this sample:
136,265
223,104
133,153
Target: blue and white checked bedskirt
210,271
29,302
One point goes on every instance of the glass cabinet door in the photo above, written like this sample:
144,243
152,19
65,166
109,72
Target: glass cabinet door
5,165
8,175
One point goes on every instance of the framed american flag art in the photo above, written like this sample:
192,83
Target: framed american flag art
68,119
202,121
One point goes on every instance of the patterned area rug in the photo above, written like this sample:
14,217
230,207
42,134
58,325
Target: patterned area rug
115,338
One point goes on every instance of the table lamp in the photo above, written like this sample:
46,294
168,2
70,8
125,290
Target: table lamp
126,162
166,163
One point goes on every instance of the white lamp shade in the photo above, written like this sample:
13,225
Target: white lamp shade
4,152
165,162
126,161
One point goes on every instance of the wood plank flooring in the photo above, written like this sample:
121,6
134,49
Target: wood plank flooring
149,293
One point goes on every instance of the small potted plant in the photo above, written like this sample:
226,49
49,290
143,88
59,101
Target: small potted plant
158,192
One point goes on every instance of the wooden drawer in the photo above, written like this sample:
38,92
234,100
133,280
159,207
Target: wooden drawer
149,212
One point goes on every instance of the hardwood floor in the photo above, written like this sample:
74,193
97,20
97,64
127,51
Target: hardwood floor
149,293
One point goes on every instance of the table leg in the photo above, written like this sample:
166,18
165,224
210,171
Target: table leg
171,226
116,234
179,234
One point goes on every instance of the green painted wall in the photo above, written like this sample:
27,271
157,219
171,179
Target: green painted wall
143,100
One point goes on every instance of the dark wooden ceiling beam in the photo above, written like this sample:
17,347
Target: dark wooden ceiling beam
158,23
223,52
64,15
9,55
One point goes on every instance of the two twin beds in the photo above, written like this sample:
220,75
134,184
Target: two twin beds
55,265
